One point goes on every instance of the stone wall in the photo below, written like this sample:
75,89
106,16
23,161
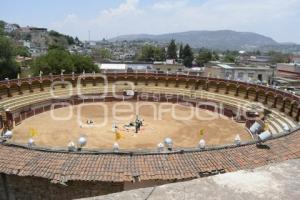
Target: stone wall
15,187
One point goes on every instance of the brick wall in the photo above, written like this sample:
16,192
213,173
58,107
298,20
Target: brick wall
15,187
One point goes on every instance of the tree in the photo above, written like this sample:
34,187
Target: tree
103,54
83,63
230,56
146,53
58,59
277,57
8,66
151,53
78,42
215,56
22,51
181,52
172,50
2,25
258,53
159,54
61,39
203,57
187,56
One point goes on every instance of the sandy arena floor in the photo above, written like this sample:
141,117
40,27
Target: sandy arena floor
157,126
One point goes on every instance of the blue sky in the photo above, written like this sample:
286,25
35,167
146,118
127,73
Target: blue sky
278,19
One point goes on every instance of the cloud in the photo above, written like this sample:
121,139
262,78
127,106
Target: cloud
130,6
169,5
134,16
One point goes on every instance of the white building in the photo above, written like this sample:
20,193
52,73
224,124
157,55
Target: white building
10,28
131,67
240,73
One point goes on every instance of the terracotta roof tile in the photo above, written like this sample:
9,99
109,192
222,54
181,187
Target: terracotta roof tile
63,167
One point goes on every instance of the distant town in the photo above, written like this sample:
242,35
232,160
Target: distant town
36,50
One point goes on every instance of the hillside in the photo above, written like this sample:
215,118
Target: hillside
35,36
223,40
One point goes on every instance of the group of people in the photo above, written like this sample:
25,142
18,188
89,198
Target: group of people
137,124
89,122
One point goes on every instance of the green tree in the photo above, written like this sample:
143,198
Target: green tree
2,25
187,56
181,51
151,53
215,56
83,63
172,50
159,54
204,56
58,59
60,39
278,57
257,52
230,56
22,51
8,66
146,53
103,54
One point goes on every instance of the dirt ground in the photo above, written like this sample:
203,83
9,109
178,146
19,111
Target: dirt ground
58,127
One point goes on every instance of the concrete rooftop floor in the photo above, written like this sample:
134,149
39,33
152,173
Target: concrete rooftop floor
275,181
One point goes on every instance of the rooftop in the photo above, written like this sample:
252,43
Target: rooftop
61,167
275,181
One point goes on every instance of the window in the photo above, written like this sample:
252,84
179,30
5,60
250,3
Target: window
228,75
259,77
251,75
240,75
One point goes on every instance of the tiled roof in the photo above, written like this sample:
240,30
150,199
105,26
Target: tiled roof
109,167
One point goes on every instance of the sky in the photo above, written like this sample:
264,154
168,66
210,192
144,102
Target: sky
100,19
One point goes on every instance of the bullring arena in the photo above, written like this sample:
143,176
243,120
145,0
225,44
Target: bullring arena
169,145
185,133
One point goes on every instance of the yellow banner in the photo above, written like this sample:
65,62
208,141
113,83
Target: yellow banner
201,132
119,136
33,132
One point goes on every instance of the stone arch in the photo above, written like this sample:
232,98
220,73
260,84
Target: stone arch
231,88
286,105
277,101
46,84
15,89
251,93
201,84
260,95
222,87
3,91
56,78
241,90
212,85
26,87
269,98
36,85
89,81
293,108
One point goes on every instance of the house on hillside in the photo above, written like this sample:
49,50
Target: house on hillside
8,28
